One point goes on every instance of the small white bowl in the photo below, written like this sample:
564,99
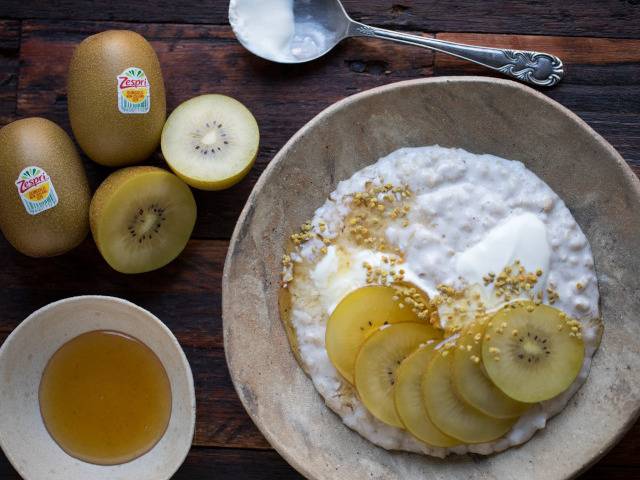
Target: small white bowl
23,357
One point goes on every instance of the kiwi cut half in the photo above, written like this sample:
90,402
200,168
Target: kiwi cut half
450,413
377,362
534,353
211,141
471,381
141,218
410,404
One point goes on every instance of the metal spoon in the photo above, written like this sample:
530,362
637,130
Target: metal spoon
537,68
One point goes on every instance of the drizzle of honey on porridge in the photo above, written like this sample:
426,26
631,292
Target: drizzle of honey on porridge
105,398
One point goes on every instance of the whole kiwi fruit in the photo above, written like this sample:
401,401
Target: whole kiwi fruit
44,193
116,97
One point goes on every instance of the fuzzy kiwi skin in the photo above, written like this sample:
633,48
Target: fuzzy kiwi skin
42,143
106,135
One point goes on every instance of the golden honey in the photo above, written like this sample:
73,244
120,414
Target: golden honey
105,398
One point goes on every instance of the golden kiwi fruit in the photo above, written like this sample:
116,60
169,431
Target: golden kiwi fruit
450,413
358,315
534,352
409,402
378,361
44,193
211,141
471,381
116,97
142,218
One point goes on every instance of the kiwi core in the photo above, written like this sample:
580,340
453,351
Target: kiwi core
210,139
146,222
532,348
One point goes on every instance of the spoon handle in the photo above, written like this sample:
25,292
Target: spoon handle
537,68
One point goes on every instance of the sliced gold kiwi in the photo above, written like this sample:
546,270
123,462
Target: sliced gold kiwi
534,352
141,218
359,314
450,413
210,141
377,361
410,404
472,383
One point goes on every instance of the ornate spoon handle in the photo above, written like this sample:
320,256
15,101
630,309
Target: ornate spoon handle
537,68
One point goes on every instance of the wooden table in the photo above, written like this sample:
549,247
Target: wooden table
599,41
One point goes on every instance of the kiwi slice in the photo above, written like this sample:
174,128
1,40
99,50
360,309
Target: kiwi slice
450,413
377,361
210,141
357,316
534,352
410,404
471,381
141,218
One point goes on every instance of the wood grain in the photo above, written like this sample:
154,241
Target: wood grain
614,18
9,47
602,82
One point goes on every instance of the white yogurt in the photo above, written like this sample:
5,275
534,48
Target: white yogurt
470,214
269,29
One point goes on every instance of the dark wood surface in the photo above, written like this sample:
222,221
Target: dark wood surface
598,40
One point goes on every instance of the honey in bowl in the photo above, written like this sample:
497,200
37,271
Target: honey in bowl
105,398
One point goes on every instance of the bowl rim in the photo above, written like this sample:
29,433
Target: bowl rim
629,175
184,363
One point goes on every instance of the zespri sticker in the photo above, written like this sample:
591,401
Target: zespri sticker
36,190
134,91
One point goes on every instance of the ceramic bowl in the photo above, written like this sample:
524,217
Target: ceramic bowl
482,115
23,357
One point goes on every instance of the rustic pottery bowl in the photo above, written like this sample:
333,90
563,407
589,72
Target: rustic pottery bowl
23,357
482,115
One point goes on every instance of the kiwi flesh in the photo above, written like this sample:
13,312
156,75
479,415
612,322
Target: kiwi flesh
37,144
210,141
450,413
534,352
410,404
358,315
141,218
377,362
471,381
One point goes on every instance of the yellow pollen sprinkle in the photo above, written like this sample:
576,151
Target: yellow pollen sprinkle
514,333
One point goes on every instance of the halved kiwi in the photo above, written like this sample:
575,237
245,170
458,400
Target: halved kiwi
210,141
450,413
534,352
377,362
472,383
358,315
410,404
141,218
